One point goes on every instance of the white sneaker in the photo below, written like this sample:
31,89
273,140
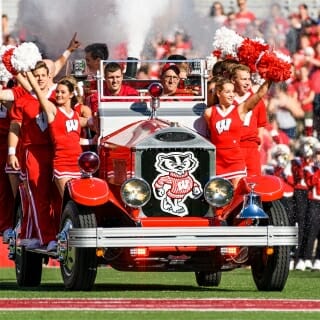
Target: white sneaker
308,264
291,265
52,246
316,265
300,265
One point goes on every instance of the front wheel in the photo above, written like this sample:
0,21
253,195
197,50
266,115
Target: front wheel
79,267
270,272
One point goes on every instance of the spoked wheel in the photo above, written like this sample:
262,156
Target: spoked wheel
79,265
28,265
208,279
270,272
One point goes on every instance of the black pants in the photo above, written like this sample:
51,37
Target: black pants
301,211
312,228
289,205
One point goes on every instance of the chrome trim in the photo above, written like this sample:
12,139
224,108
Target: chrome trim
184,236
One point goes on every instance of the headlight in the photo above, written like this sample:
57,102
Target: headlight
135,192
89,162
218,192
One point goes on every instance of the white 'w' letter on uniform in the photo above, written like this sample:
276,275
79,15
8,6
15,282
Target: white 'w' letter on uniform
72,125
223,125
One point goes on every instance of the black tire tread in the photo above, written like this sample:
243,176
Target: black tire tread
84,274
272,275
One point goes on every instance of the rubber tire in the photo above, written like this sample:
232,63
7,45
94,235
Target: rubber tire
28,265
79,273
208,279
270,273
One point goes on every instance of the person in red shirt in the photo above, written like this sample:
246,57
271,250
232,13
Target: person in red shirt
225,121
298,165
254,122
271,136
305,94
6,192
170,77
64,127
312,231
29,126
281,156
113,86
243,17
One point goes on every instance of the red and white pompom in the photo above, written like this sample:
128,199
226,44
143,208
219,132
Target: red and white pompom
5,75
25,56
225,43
255,53
21,58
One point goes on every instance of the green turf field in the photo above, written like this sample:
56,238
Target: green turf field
115,284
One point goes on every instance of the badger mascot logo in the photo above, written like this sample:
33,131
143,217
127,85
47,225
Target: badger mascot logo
175,182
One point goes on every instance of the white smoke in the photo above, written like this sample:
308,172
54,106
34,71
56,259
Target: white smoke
132,22
136,18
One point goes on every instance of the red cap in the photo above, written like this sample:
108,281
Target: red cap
171,66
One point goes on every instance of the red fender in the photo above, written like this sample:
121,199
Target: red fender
92,192
89,191
269,187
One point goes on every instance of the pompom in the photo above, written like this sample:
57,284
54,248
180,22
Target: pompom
225,43
4,48
249,52
6,59
25,57
272,68
5,75
255,53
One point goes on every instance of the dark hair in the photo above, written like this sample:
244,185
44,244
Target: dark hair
97,50
304,6
177,57
144,68
212,12
112,67
72,85
223,67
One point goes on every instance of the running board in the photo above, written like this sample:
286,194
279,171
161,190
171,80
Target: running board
52,254
184,236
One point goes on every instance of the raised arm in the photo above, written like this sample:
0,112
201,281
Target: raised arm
250,103
61,61
48,107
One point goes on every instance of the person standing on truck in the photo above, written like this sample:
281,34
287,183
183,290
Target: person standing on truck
6,192
29,126
225,121
64,127
254,122
94,53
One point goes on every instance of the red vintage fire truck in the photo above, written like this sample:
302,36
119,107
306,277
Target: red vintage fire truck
149,199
